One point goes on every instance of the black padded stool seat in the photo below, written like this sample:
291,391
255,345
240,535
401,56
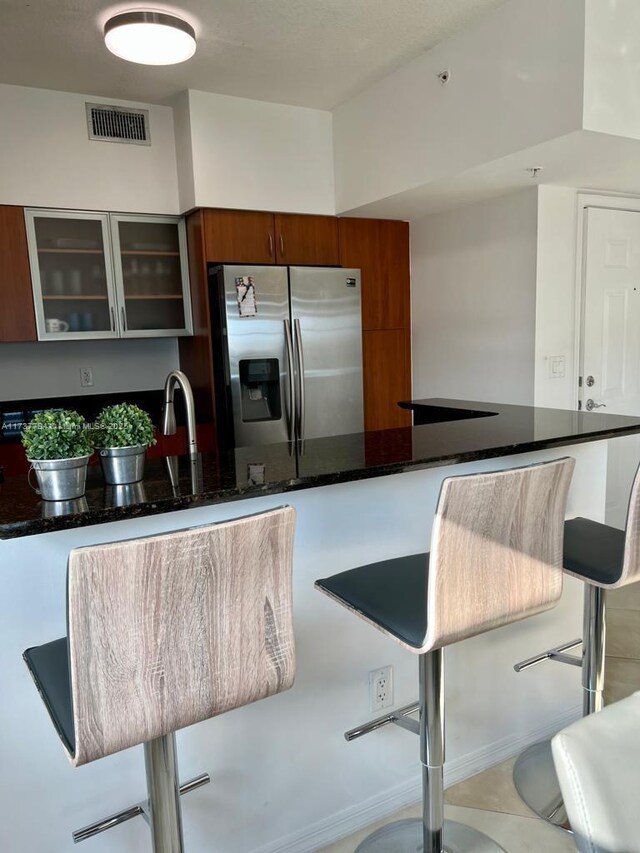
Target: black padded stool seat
392,594
49,667
594,551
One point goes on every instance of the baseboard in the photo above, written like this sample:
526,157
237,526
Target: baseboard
344,823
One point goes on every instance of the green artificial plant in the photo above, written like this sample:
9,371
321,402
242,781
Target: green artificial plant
62,434
123,425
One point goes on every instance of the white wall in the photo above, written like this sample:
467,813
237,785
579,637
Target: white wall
283,780
184,151
47,159
612,65
556,295
473,298
516,80
52,368
261,156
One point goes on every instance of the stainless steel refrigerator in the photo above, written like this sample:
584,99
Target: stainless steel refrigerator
289,352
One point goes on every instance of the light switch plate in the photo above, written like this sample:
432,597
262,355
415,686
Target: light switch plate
557,367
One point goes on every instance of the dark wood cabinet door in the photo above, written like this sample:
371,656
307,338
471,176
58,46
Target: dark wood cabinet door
196,352
387,378
17,315
380,247
307,240
239,236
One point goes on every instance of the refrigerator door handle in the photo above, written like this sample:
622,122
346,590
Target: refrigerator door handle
292,394
301,379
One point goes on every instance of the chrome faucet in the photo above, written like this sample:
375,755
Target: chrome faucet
177,377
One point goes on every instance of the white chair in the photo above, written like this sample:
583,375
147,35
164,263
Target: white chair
597,761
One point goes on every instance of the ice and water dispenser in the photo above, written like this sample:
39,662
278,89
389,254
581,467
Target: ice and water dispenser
260,390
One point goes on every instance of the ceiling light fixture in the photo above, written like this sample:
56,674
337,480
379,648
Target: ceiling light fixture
150,38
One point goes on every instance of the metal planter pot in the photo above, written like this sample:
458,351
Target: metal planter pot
122,465
61,479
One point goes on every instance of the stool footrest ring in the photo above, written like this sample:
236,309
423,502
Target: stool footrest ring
140,809
393,717
557,654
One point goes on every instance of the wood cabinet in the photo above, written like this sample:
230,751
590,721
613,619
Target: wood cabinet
256,237
239,236
380,248
17,315
386,361
307,240
196,352
101,275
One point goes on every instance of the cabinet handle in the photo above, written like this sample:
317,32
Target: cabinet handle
113,320
124,319
282,245
270,245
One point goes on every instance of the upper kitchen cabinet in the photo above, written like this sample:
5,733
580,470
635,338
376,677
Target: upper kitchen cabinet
101,275
151,275
17,316
255,237
72,274
380,247
239,236
307,240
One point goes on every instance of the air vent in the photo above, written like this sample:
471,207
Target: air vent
118,124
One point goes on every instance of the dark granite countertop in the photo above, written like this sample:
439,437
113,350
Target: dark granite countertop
450,432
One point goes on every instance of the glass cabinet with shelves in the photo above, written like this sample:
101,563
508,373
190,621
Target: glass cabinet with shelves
101,275
151,275
72,274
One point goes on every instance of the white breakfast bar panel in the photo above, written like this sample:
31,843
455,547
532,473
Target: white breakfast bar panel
282,777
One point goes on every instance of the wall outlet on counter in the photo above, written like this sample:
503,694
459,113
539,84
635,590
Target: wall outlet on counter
86,377
381,688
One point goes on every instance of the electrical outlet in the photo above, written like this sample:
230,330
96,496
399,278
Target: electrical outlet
381,688
86,377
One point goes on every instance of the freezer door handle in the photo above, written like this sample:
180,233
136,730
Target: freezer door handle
290,375
301,379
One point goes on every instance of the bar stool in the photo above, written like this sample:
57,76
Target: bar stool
495,558
604,558
597,763
163,632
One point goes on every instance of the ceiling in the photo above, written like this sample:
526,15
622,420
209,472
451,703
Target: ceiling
313,53
600,162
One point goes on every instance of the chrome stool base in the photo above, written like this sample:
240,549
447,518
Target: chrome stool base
405,836
162,808
535,779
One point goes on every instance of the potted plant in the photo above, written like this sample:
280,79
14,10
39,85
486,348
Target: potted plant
59,445
123,434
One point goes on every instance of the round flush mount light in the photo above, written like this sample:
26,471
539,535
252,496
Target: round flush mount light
150,38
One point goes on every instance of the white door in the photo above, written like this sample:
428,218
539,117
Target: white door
611,339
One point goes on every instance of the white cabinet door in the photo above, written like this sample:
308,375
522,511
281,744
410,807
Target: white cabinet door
151,275
72,274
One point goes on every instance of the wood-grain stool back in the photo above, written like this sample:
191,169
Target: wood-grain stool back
631,561
169,630
496,550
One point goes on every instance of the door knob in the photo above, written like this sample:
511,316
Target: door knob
590,405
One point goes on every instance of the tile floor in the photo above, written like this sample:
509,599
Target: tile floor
488,802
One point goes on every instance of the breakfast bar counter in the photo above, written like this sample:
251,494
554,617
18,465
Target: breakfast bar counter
447,432
283,779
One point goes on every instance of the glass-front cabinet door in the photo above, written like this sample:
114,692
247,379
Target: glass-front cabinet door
151,275
72,274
